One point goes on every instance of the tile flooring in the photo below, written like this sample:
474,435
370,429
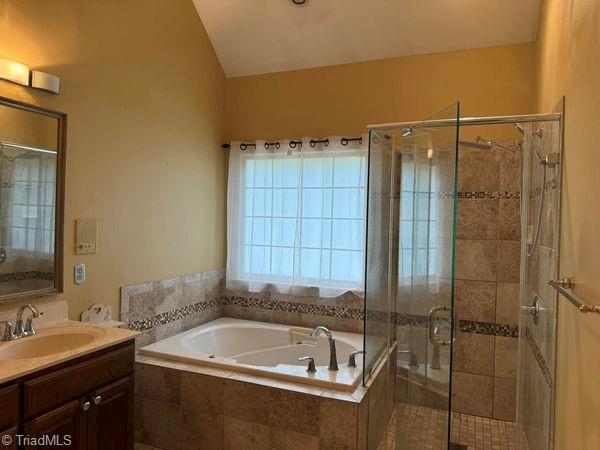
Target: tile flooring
422,428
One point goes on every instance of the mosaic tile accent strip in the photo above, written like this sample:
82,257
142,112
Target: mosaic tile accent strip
446,195
29,275
539,358
490,329
170,316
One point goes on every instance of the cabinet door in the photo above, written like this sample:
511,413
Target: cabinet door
8,439
63,427
111,417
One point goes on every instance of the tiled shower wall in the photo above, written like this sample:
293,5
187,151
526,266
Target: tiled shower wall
487,283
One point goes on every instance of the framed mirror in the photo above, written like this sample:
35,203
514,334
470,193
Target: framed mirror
32,183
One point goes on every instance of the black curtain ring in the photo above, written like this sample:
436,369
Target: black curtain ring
344,141
243,147
326,142
312,143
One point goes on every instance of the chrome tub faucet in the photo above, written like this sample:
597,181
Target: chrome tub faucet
333,365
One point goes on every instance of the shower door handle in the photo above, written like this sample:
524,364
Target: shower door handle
434,329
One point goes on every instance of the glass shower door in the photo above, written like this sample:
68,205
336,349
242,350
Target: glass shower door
409,294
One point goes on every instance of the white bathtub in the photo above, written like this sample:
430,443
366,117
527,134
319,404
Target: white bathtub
264,349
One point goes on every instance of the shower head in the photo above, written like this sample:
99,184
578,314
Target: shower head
476,144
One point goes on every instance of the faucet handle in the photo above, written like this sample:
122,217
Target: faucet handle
9,331
352,357
29,330
311,363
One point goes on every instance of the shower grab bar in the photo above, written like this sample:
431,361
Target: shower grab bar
565,286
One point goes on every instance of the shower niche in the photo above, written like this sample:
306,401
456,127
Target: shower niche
32,156
462,238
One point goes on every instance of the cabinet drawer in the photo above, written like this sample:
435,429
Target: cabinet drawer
56,388
9,407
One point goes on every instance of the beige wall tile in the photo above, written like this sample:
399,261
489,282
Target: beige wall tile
295,412
472,394
338,423
475,300
509,219
507,303
158,424
204,393
476,260
505,357
477,218
509,257
474,353
478,171
289,440
247,402
201,431
505,393
240,434
158,383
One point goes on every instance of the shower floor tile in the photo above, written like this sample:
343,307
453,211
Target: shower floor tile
422,428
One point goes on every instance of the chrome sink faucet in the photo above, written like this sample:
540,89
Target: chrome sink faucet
26,328
21,328
333,365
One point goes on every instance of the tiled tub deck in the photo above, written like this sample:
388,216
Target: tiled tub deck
186,406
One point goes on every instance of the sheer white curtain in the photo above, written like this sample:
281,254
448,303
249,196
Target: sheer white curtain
29,185
296,216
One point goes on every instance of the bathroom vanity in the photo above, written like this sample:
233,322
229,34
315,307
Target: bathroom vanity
82,395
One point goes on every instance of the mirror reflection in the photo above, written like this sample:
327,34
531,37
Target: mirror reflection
28,174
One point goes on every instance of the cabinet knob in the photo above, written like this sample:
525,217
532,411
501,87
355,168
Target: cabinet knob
97,400
86,406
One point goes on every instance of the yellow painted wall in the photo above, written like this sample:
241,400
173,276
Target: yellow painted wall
343,99
568,63
145,96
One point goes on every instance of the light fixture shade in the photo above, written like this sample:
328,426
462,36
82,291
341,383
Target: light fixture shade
45,81
14,71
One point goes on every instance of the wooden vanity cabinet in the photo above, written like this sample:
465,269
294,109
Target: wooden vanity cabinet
85,404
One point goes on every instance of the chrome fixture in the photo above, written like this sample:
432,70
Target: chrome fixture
407,132
311,363
352,357
434,327
26,328
2,255
9,331
519,128
565,287
534,310
333,365
479,145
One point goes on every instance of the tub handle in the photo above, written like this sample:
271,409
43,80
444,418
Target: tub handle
311,363
352,357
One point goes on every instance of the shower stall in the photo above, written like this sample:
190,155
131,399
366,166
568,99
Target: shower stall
462,237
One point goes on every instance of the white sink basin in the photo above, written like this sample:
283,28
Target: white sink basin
50,341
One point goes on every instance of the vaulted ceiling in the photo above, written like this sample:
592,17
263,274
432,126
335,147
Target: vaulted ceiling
261,36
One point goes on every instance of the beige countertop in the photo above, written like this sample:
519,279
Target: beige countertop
63,334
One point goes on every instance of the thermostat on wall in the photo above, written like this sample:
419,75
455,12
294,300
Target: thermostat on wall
86,235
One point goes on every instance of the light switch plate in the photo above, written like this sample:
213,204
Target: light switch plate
79,273
86,235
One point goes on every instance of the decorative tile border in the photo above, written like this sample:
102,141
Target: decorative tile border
170,316
490,329
29,275
539,358
447,195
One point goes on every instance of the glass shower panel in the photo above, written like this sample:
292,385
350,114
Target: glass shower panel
540,205
425,299
409,276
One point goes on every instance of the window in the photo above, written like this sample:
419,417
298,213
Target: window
31,191
297,220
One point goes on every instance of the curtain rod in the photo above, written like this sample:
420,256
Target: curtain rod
293,144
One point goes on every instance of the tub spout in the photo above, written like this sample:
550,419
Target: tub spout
333,365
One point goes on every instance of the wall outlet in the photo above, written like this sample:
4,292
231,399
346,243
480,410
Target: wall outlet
79,273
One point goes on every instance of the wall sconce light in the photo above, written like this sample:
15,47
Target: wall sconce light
19,73
14,71
45,81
